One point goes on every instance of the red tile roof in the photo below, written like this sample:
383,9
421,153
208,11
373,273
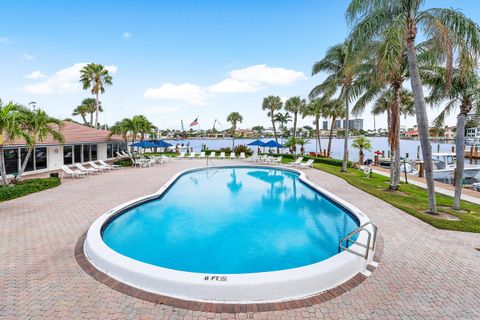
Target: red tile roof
74,133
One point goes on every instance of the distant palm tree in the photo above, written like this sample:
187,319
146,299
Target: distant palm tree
38,125
444,28
283,119
234,118
316,109
96,77
81,111
335,109
259,130
361,143
10,129
341,63
296,106
272,104
88,107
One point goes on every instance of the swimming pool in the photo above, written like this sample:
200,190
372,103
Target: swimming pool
219,233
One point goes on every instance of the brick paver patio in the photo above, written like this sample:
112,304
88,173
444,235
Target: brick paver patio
425,273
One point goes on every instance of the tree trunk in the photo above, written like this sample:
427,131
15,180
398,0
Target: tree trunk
394,138
330,137
24,164
295,132
91,119
96,111
345,144
422,120
361,156
233,137
460,156
3,171
84,119
274,129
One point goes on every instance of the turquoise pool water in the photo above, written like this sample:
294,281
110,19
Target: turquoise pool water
232,220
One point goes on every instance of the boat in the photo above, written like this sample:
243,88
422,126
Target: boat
444,165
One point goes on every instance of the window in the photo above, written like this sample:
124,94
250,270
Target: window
40,158
93,152
86,152
11,160
77,154
67,155
23,155
110,150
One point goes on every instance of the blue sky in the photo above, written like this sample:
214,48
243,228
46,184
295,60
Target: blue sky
173,60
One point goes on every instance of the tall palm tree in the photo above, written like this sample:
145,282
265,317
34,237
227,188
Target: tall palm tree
283,119
295,105
96,77
464,95
335,110
340,63
444,28
234,118
38,125
272,104
316,108
10,129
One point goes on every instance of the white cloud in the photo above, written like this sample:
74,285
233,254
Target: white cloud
27,56
5,40
269,75
126,35
63,81
234,86
186,92
162,110
35,75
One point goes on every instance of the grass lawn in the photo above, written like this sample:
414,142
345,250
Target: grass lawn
409,198
26,187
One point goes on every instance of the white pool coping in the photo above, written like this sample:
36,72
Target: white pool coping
271,286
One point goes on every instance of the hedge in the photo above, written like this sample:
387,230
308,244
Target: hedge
26,187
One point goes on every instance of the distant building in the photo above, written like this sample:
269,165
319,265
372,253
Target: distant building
325,125
338,124
355,124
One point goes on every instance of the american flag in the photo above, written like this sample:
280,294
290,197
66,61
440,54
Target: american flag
194,123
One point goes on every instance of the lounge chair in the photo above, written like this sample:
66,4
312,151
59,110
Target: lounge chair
202,155
86,170
278,160
119,155
307,164
113,166
222,155
232,155
181,155
253,158
127,155
297,162
212,154
193,155
73,173
242,155
96,166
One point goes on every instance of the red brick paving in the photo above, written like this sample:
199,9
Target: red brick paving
424,273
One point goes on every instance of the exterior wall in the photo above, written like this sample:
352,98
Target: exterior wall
101,151
54,157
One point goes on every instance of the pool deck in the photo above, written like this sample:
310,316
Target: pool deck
424,273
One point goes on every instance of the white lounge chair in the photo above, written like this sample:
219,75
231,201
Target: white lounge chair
232,155
253,158
307,164
242,155
202,155
222,155
73,173
96,166
86,170
193,155
127,155
119,155
212,154
113,166
297,162
181,155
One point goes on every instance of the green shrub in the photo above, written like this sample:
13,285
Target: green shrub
242,148
227,150
124,162
25,187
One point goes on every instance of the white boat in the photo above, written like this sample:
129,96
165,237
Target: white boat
444,165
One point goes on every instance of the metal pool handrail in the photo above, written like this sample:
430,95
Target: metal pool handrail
371,240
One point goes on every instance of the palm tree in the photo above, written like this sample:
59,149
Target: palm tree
295,105
361,143
464,95
443,28
316,108
96,77
272,104
142,126
10,129
334,109
234,118
82,111
341,63
302,142
87,107
283,119
258,129
38,125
